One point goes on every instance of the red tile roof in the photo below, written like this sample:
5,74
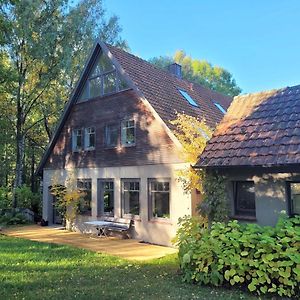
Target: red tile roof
261,129
160,88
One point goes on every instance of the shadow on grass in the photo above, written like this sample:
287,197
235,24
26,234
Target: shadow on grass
33,270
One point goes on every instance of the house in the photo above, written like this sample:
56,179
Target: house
116,143
257,148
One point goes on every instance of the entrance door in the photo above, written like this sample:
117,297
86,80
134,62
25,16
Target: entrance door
105,197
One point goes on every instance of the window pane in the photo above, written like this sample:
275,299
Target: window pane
108,197
161,208
95,87
85,92
295,198
245,198
128,132
89,137
109,83
131,197
85,185
122,84
102,65
111,136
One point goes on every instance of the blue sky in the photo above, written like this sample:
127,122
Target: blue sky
257,41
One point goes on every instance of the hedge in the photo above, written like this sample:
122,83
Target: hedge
263,259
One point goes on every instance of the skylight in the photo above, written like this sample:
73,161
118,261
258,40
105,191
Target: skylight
220,107
188,98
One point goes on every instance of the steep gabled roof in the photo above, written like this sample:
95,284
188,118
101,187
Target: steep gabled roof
157,88
160,88
261,129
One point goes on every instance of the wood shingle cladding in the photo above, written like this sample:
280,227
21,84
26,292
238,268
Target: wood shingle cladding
152,96
261,129
152,145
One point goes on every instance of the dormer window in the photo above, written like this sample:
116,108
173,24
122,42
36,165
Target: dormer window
103,80
188,98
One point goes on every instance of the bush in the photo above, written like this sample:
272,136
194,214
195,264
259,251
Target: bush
10,219
27,199
262,259
5,197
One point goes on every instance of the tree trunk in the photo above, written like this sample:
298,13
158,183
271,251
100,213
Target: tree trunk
20,142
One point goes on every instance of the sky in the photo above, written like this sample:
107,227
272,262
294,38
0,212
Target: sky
257,41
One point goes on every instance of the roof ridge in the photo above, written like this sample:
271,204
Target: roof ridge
167,72
261,93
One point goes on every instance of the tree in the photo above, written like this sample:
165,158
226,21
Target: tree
43,45
201,72
193,135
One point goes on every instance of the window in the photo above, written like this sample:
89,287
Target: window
188,98
244,198
220,107
89,138
128,133
106,197
294,198
111,135
77,139
131,196
85,185
159,194
102,80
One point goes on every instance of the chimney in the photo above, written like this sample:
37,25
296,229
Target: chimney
175,69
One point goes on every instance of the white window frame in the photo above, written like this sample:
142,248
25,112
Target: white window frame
150,200
125,180
87,132
124,129
106,135
75,147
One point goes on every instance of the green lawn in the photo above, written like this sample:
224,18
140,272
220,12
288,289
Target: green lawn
32,270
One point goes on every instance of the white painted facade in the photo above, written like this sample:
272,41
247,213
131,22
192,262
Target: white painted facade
157,231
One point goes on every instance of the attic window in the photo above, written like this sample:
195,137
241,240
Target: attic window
102,80
220,107
188,98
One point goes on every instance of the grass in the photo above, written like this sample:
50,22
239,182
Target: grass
33,270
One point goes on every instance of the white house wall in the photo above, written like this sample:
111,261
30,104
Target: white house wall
153,231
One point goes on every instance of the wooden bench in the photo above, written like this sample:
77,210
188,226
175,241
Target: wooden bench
107,225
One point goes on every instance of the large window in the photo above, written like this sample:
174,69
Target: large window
111,135
77,139
85,185
159,202
89,138
294,198
128,133
131,196
102,80
106,197
244,196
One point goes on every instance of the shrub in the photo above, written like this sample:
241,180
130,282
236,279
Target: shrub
27,199
262,259
11,219
5,198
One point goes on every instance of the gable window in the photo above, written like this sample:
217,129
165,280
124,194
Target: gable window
188,98
128,133
131,196
77,139
111,135
294,198
89,138
244,198
106,197
159,198
85,185
103,79
220,107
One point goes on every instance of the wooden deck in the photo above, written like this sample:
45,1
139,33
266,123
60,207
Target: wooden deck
128,249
